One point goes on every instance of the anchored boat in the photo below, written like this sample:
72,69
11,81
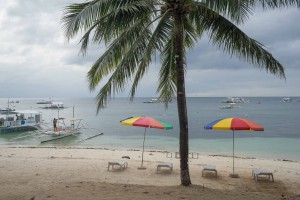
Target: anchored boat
54,105
65,127
20,120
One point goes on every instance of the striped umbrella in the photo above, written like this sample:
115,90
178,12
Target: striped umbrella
146,122
234,124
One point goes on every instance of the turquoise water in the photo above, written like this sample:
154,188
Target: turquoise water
280,140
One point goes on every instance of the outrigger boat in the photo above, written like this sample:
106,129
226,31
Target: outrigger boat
54,105
62,130
44,102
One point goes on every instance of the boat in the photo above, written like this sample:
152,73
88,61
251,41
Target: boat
230,106
62,130
54,105
152,101
45,101
235,100
14,101
287,99
20,121
7,111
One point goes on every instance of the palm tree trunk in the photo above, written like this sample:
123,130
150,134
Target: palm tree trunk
181,100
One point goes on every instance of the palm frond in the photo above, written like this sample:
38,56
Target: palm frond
156,43
231,39
125,68
238,11
167,78
278,3
81,16
112,57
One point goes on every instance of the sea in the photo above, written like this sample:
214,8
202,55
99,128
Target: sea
280,139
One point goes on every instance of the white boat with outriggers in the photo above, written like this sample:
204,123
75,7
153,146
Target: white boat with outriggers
54,105
235,100
62,129
45,102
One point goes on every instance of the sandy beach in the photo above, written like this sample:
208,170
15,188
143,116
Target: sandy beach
70,173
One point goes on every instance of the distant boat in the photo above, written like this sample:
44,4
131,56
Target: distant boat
235,100
45,102
152,101
287,99
14,101
230,106
55,105
7,111
17,121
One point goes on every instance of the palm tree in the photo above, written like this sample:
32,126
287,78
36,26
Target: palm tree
135,31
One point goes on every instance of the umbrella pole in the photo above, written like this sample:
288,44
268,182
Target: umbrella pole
143,151
233,175
233,150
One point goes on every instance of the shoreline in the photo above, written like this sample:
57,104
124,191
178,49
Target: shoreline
148,150
50,171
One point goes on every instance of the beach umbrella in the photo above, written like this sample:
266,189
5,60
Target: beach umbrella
146,122
234,124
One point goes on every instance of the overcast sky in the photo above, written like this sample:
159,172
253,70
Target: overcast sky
36,61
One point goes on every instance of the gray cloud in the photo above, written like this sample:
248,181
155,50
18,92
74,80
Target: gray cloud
36,60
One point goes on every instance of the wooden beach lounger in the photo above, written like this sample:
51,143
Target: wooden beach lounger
167,165
256,173
121,165
209,168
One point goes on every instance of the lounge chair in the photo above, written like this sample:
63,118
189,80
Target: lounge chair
121,165
167,165
256,173
209,168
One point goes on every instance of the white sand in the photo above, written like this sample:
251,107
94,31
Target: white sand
64,173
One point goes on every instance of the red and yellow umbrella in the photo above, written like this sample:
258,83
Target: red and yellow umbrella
234,124
146,122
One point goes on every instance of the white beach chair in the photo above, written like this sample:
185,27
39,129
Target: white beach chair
167,165
209,168
121,165
256,173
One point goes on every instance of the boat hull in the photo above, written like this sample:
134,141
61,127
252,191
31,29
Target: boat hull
17,129
52,135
